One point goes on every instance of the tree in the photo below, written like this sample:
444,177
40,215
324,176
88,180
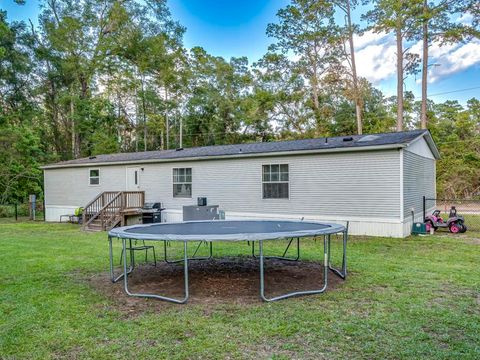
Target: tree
438,27
307,30
346,7
20,151
402,18
72,42
456,132
214,111
276,75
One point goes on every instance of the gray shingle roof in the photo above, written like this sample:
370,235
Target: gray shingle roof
340,142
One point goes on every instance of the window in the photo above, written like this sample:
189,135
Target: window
275,181
182,182
94,177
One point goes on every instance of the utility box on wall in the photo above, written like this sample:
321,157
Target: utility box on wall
192,213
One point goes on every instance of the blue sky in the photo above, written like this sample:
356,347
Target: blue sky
237,28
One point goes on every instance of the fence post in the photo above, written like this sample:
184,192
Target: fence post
16,212
424,208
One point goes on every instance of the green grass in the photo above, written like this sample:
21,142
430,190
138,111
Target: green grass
404,298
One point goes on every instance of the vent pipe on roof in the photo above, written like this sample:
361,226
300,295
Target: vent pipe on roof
326,140
348,138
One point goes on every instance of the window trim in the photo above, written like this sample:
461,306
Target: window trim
94,177
191,183
262,182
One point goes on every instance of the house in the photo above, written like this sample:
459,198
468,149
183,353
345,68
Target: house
373,181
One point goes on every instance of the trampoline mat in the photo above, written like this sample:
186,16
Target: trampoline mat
226,230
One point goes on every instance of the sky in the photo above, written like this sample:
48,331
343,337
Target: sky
237,28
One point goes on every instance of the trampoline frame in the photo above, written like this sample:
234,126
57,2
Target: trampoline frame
210,254
342,273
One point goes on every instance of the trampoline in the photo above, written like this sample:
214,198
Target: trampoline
208,232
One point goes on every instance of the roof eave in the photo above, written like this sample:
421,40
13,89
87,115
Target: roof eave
234,156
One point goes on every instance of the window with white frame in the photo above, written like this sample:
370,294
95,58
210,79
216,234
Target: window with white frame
94,176
275,181
182,182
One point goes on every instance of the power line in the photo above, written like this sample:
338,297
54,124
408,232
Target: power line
451,92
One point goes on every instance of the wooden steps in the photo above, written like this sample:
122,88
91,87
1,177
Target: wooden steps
108,209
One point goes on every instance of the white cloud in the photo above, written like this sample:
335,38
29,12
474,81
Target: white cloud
376,60
376,57
465,19
453,59
368,38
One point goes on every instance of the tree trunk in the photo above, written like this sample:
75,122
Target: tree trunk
358,105
316,108
136,118
398,33
424,67
181,131
144,116
72,119
167,126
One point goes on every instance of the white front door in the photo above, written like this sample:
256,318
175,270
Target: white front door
133,178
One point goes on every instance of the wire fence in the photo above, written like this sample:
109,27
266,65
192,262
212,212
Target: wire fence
22,211
468,208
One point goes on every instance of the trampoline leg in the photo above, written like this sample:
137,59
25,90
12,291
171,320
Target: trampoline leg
114,278
154,296
343,272
146,252
132,255
295,293
283,257
154,256
210,254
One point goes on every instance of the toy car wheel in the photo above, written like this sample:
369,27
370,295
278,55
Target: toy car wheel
429,226
455,228
464,228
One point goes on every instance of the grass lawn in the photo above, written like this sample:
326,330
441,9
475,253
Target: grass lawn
405,298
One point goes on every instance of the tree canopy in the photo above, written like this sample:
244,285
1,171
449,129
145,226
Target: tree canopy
105,76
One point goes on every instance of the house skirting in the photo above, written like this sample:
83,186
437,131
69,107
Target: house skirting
53,212
357,225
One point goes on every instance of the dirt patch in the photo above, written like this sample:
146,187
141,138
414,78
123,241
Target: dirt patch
217,281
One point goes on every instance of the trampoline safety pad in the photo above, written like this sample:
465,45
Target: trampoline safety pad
241,230
252,231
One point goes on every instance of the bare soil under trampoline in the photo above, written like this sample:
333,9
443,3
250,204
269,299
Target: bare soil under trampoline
216,281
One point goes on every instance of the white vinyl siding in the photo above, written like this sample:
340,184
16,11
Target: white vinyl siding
418,181
71,186
364,184
356,184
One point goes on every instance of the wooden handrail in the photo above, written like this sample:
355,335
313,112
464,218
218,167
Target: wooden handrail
117,201
102,209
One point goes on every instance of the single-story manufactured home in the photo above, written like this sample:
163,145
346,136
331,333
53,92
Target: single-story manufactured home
372,181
